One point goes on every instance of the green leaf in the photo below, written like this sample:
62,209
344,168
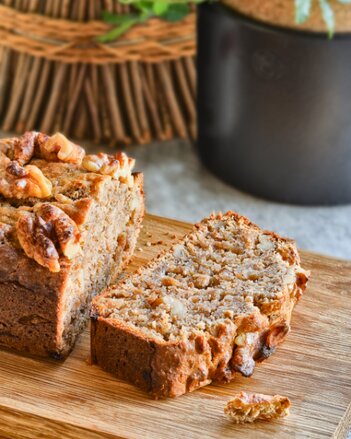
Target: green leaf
302,10
161,7
328,16
110,18
176,12
144,16
144,6
117,31
170,10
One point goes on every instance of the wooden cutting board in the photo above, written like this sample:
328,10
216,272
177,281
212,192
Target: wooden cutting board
40,398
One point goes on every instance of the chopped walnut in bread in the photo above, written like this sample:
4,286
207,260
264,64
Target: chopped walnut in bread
24,146
64,228
46,231
77,210
35,239
20,182
119,166
250,407
58,148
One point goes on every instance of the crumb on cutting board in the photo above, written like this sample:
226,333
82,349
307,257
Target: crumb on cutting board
249,407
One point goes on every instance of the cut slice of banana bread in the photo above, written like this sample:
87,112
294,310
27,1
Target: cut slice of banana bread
68,224
214,304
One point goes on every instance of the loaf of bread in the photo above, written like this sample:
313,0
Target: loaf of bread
251,407
68,224
214,304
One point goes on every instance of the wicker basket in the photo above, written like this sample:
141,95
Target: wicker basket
55,76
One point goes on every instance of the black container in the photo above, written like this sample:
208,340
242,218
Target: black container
274,108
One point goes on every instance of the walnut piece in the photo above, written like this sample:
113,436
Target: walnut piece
58,148
249,407
24,146
243,355
7,145
5,230
65,229
18,181
4,161
46,231
119,166
77,210
33,235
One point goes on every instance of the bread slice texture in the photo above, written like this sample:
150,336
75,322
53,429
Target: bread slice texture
213,305
59,250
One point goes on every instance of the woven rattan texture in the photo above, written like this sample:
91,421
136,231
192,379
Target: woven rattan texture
55,76
68,41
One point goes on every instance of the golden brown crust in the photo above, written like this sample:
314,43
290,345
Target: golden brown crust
251,407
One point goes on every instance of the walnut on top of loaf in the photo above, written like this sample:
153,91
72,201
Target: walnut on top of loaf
250,407
48,184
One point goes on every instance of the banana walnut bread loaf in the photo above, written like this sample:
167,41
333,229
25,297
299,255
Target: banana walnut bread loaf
68,224
214,304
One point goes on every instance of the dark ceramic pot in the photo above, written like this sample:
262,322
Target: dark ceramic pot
274,108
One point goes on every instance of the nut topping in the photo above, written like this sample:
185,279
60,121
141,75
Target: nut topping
23,148
119,166
46,231
101,163
4,161
77,210
17,181
5,230
59,148
7,145
65,229
33,235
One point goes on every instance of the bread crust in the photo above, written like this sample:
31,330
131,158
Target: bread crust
172,368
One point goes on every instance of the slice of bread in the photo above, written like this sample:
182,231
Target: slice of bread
214,304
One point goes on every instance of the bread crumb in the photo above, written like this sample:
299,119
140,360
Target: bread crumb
148,244
250,407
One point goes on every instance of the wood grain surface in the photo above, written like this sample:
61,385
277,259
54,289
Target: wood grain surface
41,398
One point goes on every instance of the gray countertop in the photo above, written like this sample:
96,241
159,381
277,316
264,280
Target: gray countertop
178,186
